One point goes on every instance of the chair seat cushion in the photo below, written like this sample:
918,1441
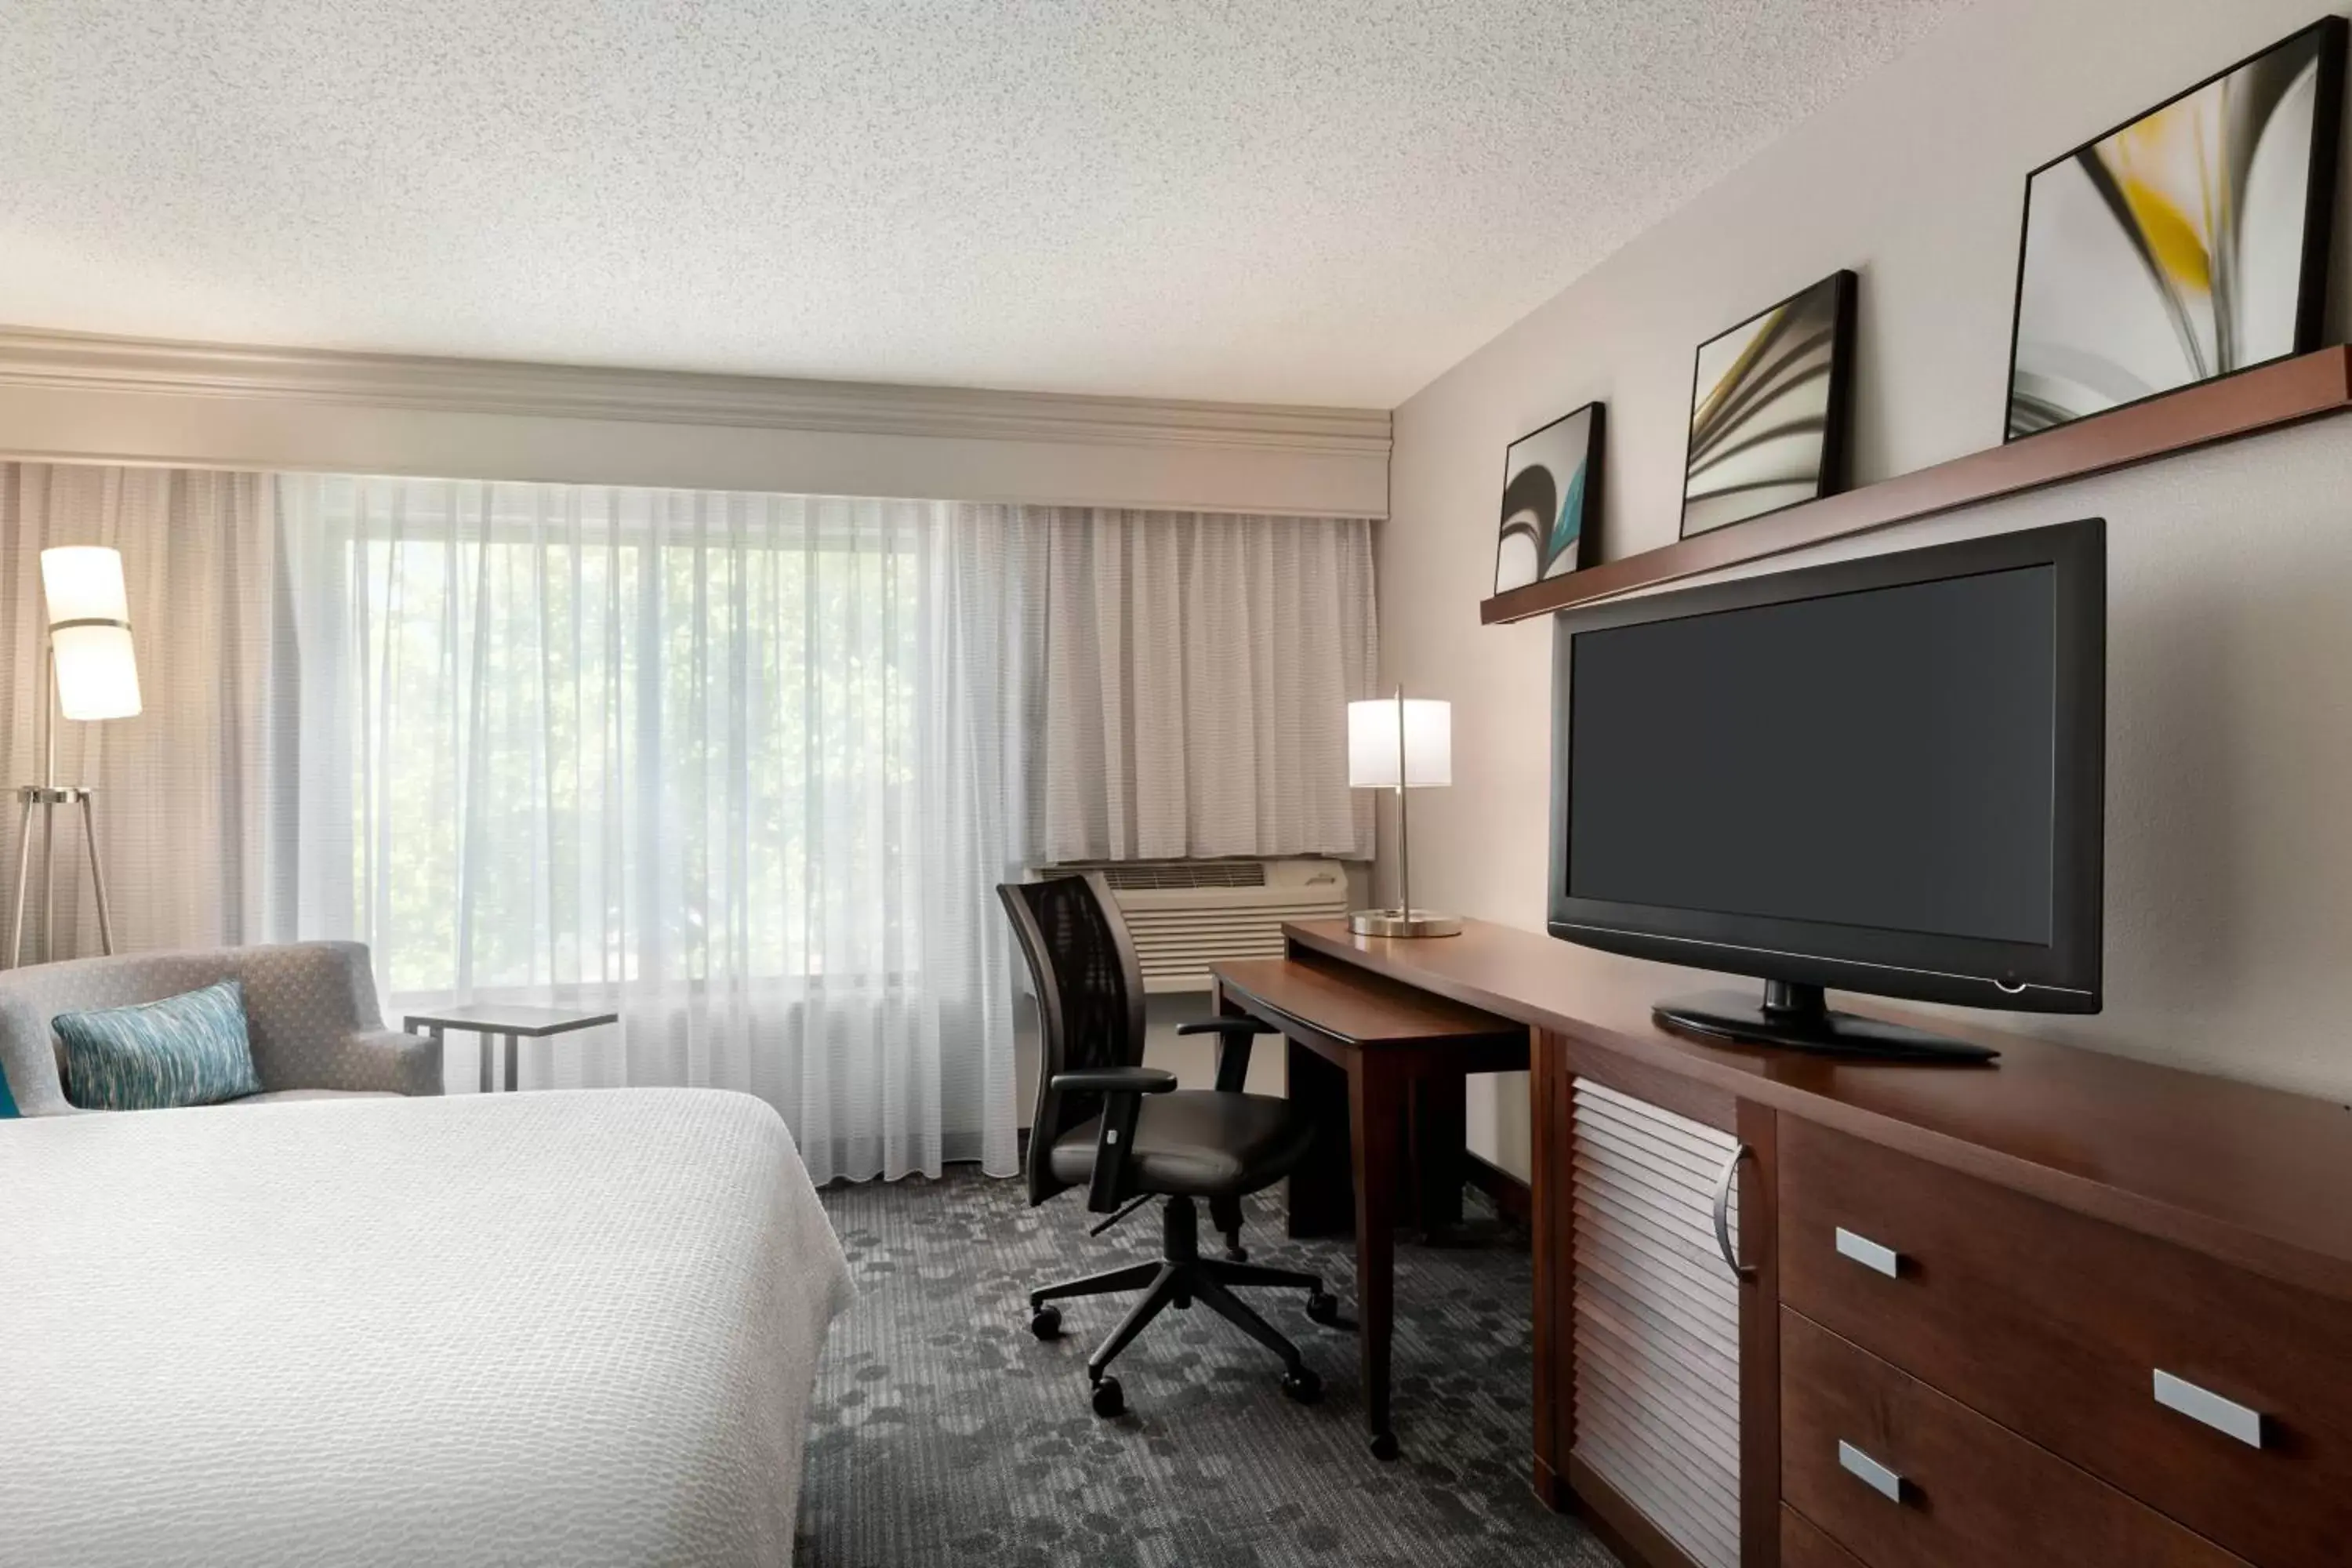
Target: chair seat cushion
189,1049
1197,1142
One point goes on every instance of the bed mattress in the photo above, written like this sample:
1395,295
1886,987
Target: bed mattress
575,1328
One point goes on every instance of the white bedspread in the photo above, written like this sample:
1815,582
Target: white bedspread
552,1328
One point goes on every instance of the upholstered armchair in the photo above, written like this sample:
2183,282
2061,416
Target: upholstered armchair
310,1008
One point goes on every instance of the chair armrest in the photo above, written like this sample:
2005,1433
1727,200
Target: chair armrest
1115,1080
1122,1090
376,1059
1235,1035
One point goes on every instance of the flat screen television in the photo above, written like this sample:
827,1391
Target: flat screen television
1883,775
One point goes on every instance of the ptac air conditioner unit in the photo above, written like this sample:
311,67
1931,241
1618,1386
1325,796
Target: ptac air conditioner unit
1186,915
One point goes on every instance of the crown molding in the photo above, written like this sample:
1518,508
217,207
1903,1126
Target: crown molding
83,361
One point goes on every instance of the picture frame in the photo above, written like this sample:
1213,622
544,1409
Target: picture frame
1551,498
2188,243
1770,404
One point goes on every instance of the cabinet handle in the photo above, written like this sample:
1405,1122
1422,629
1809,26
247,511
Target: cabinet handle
2224,1416
1886,1483
1723,1184
1869,1254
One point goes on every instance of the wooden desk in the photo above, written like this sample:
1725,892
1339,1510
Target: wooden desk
1969,1273
1387,1062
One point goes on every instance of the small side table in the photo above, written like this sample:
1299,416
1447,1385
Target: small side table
495,1020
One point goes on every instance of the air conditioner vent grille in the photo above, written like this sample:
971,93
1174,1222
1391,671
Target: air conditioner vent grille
1186,916
1140,875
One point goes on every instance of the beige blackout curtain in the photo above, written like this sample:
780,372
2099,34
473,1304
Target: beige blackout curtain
186,795
1196,671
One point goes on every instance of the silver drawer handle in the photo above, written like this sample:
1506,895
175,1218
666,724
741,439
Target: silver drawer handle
1723,1185
2225,1415
1870,1472
1869,1254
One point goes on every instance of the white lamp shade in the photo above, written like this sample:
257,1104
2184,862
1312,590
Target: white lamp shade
84,583
97,677
89,632
1372,743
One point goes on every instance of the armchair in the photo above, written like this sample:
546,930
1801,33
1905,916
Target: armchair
311,1010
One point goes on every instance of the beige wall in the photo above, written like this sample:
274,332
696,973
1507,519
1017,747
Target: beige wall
2230,687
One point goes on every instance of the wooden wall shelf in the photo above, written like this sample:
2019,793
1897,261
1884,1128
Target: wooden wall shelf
2265,398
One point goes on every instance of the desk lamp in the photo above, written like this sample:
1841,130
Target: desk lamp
1401,743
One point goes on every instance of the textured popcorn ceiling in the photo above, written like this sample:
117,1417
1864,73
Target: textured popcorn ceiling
1323,201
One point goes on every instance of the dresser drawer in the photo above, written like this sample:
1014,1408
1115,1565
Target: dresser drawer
1903,1476
2144,1363
1802,1544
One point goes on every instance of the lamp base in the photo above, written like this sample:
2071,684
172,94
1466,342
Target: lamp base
1402,923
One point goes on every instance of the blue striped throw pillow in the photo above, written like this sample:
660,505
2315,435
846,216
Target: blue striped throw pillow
189,1049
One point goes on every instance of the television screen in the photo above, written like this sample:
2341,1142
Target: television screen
1882,759
1882,774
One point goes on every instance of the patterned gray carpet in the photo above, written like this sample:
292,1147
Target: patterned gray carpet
945,1435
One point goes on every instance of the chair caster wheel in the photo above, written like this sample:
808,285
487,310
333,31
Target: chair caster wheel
1109,1399
1324,1308
1045,1323
1303,1386
1384,1447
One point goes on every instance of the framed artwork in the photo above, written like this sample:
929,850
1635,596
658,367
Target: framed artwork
1551,498
2185,245
1768,398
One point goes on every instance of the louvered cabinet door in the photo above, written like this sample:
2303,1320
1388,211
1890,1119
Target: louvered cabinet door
1655,1325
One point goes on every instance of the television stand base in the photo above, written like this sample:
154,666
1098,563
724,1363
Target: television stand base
1795,1019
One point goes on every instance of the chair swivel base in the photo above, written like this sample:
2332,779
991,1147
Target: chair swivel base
1181,1278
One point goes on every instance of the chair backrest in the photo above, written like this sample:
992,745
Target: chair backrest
1089,1000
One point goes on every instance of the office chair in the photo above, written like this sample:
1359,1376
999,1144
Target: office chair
1128,1134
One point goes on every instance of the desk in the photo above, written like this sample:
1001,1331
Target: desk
1387,1062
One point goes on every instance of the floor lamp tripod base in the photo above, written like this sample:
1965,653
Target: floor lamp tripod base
47,798
1404,923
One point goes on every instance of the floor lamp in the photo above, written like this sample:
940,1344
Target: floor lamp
88,673
1401,743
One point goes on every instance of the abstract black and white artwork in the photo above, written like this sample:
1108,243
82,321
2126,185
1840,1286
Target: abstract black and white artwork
1551,491
2190,243
1768,409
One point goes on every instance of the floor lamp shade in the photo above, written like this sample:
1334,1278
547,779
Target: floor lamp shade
89,632
1401,743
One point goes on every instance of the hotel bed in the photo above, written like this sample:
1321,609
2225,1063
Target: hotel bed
556,1327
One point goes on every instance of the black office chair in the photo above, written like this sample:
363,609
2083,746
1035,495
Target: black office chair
1126,1133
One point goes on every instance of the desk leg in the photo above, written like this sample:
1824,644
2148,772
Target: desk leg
514,1047
485,1037
1323,1187
1375,1103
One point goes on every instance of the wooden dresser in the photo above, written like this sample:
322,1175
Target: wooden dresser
2067,1310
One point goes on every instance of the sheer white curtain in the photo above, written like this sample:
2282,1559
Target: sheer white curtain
746,767
187,798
